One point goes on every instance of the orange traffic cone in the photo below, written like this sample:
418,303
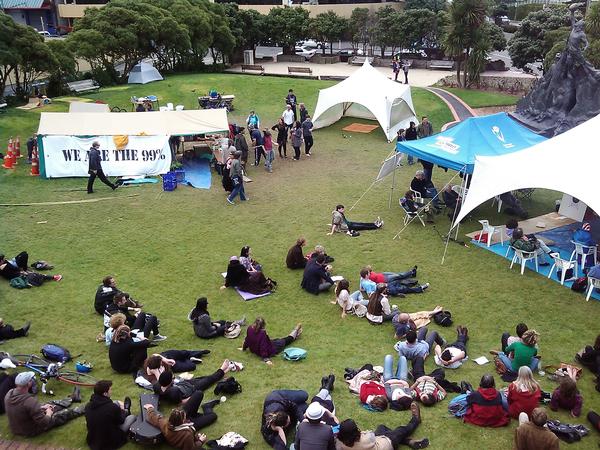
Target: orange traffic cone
35,164
18,148
9,159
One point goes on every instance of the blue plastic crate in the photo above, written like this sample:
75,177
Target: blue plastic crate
169,185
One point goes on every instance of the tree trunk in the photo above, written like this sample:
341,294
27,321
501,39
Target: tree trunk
458,67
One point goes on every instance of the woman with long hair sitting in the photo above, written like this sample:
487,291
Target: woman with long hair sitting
125,354
346,300
378,308
204,326
253,282
258,341
567,396
523,394
247,261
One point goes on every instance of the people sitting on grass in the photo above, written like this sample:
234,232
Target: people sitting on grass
7,331
425,187
179,430
523,353
567,396
135,318
589,357
452,355
339,223
531,244
295,258
18,267
26,417
523,394
204,326
181,392
125,354
346,300
584,236
507,339
116,320
534,434
314,430
410,205
484,406
258,341
247,261
253,282
176,361
350,437
108,421
319,250
378,307
404,322
105,295
316,277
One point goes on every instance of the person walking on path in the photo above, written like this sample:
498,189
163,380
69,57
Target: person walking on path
405,67
307,127
235,172
95,169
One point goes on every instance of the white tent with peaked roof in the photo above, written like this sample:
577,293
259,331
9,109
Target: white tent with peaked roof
367,94
143,73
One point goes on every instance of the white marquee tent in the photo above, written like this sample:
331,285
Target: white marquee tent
367,94
567,163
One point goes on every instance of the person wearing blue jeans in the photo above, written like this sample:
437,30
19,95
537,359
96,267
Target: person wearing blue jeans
237,177
508,362
401,370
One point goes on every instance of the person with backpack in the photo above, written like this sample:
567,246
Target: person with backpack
107,421
258,342
485,407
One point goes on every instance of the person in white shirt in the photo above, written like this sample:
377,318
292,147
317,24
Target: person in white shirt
288,117
346,300
453,355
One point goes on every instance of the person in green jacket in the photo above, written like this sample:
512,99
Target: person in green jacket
524,353
527,244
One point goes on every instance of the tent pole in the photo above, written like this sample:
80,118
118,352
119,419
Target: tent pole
462,185
364,193
392,189
467,176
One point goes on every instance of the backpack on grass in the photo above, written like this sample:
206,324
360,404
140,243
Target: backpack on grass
56,353
294,354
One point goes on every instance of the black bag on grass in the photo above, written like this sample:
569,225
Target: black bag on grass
443,318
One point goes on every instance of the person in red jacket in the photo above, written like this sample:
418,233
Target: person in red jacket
523,394
373,393
258,341
484,406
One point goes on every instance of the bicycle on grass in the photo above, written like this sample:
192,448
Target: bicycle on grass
48,370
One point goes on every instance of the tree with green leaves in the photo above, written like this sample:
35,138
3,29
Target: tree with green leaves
432,5
247,26
286,26
387,31
420,29
328,27
360,28
528,45
65,68
467,39
9,56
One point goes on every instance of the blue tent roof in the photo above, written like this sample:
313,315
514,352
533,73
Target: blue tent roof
455,148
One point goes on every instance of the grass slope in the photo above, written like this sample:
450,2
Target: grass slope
480,99
168,248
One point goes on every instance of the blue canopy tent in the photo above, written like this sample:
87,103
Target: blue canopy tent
457,147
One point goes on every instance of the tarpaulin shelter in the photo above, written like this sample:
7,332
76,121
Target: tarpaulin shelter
79,107
65,138
143,73
367,94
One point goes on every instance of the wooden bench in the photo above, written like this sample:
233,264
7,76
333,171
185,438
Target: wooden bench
307,70
256,67
83,86
441,64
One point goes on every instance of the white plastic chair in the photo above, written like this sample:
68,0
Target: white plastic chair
179,108
563,265
170,107
593,283
583,251
498,200
490,230
418,197
523,257
408,215
163,108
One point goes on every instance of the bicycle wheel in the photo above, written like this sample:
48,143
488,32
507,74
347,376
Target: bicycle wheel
32,361
76,378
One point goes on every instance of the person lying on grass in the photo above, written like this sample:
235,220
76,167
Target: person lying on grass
179,393
258,341
339,223
383,438
404,322
395,287
315,428
453,355
7,331
17,267
174,360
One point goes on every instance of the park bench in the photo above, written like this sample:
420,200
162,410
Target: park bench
3,107
359,60
307,70
83,86
256,67
441,64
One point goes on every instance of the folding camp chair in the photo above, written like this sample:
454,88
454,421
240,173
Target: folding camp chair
409,215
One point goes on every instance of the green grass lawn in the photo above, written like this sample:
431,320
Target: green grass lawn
168,248
480,99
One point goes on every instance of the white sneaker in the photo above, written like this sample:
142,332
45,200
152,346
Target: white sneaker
424,286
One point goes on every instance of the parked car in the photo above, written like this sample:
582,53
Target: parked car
306,52
310,44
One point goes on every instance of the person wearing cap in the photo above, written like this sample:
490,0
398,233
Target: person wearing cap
237,178
583,235
8,331
95,169
350,437
26,417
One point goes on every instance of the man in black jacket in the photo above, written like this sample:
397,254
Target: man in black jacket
107,421
95,169
316,278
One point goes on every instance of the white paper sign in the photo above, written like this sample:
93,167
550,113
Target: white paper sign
67,156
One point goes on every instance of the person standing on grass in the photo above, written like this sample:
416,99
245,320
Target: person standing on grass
307,127
395,69
235,173
282,136
303,112
288,117
296,134
95,169
241,146
257,143
253,120
268,149
31,145
291,101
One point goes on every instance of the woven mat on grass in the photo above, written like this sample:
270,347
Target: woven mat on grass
360,128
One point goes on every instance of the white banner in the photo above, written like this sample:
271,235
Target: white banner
67,156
